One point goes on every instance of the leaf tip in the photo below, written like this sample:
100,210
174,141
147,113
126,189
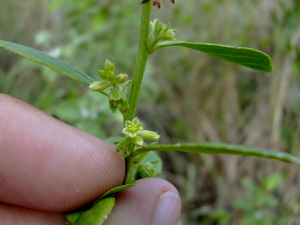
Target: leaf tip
270,68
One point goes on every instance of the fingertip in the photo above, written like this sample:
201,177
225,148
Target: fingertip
152,202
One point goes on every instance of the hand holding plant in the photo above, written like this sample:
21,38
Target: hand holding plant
48,167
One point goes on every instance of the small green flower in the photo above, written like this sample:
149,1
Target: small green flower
132,128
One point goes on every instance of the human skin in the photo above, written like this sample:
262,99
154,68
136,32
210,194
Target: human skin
48,167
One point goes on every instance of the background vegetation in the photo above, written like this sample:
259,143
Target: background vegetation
187,96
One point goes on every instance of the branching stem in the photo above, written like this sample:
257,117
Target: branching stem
142,58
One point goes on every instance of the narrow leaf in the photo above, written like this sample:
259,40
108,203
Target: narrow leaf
221,148
247,57
116,190
72,217
54,64
97,214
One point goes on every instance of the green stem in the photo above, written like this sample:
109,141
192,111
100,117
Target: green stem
131,168
142,58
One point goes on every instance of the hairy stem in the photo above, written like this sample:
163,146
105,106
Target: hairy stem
131,168
142,58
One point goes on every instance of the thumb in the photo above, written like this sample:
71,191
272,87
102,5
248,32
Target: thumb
152,202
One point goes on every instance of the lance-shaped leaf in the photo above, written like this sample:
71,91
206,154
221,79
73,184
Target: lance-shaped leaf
247,57
115,190
74,215
54,64
221,148
97,214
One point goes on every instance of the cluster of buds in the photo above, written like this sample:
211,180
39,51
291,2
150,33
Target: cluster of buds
116,95
135,136
109,77
160,32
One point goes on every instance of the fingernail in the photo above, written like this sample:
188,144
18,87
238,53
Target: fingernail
167,210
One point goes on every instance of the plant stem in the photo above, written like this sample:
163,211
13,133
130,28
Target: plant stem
131,168
142,58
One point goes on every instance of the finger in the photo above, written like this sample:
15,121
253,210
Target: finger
20,216
48,165
152,202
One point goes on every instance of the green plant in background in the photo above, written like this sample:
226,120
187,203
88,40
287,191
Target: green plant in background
139,145
258,205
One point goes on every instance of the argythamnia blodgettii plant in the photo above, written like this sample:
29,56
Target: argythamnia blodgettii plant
141,160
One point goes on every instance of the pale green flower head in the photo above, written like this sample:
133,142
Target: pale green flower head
132,128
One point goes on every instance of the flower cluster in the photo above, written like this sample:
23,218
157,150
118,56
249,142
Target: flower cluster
118,86
159,32
134,136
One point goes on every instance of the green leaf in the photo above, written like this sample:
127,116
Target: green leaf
247,57
150,166
72,217
54,64
116,190
97,214
221,148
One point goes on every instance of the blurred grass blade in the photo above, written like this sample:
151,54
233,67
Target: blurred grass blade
54,64
221,148
247,57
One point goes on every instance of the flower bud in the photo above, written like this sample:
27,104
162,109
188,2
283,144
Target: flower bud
159,26
150,135
99,85
115,95
109,66
111,76
121,78
138,141
102,74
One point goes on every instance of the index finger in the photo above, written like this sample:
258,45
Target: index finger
48,165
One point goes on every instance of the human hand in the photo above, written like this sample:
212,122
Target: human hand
48,167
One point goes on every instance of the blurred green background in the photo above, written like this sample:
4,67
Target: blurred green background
186,95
